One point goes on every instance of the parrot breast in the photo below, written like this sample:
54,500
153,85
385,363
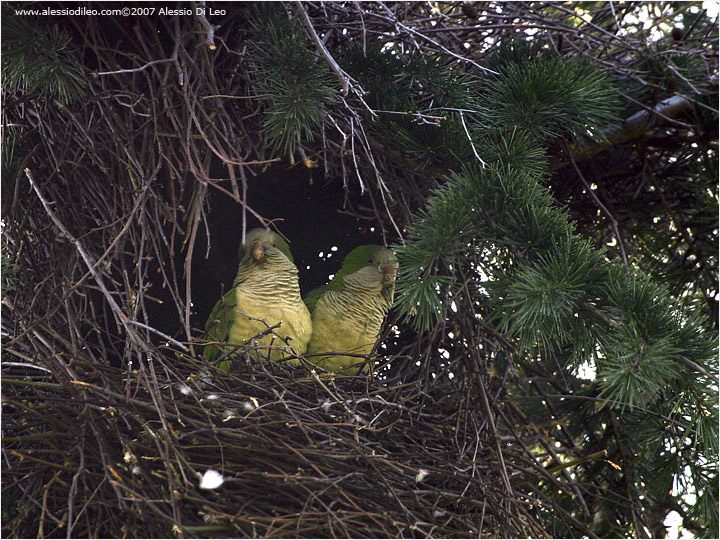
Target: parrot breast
349,321
268,292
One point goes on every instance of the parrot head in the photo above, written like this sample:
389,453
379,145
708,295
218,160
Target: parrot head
375,264
258,242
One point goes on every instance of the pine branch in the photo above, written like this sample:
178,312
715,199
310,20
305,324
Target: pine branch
697,367
634,126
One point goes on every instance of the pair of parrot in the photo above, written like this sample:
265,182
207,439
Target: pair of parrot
343,316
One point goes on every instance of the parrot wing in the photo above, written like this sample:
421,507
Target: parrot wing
353,262
283,246
218,324
313,296
348,312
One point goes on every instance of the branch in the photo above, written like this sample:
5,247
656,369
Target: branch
344,77
209,28
472,144
634,126
392,18
613,221
141,68
699,368
89,261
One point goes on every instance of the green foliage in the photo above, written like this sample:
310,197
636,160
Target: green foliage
705,510
9,155
685,259
38,60
536,96
434,81
541,302
421,290
426,143
552,98
653,325
512,52
296,84
499,204
662,65
633,368
422,111
374,66
512,147
503,203
416,80
565,303
704,426
9,168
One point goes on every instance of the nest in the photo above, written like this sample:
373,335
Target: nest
110,418
112,453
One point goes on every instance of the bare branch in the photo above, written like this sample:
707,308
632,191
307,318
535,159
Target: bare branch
344,78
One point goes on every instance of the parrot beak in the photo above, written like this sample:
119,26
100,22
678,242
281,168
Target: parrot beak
389,273
258,251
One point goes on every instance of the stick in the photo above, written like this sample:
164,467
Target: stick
342,76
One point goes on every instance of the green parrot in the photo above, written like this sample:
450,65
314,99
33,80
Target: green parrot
265,289
348,312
